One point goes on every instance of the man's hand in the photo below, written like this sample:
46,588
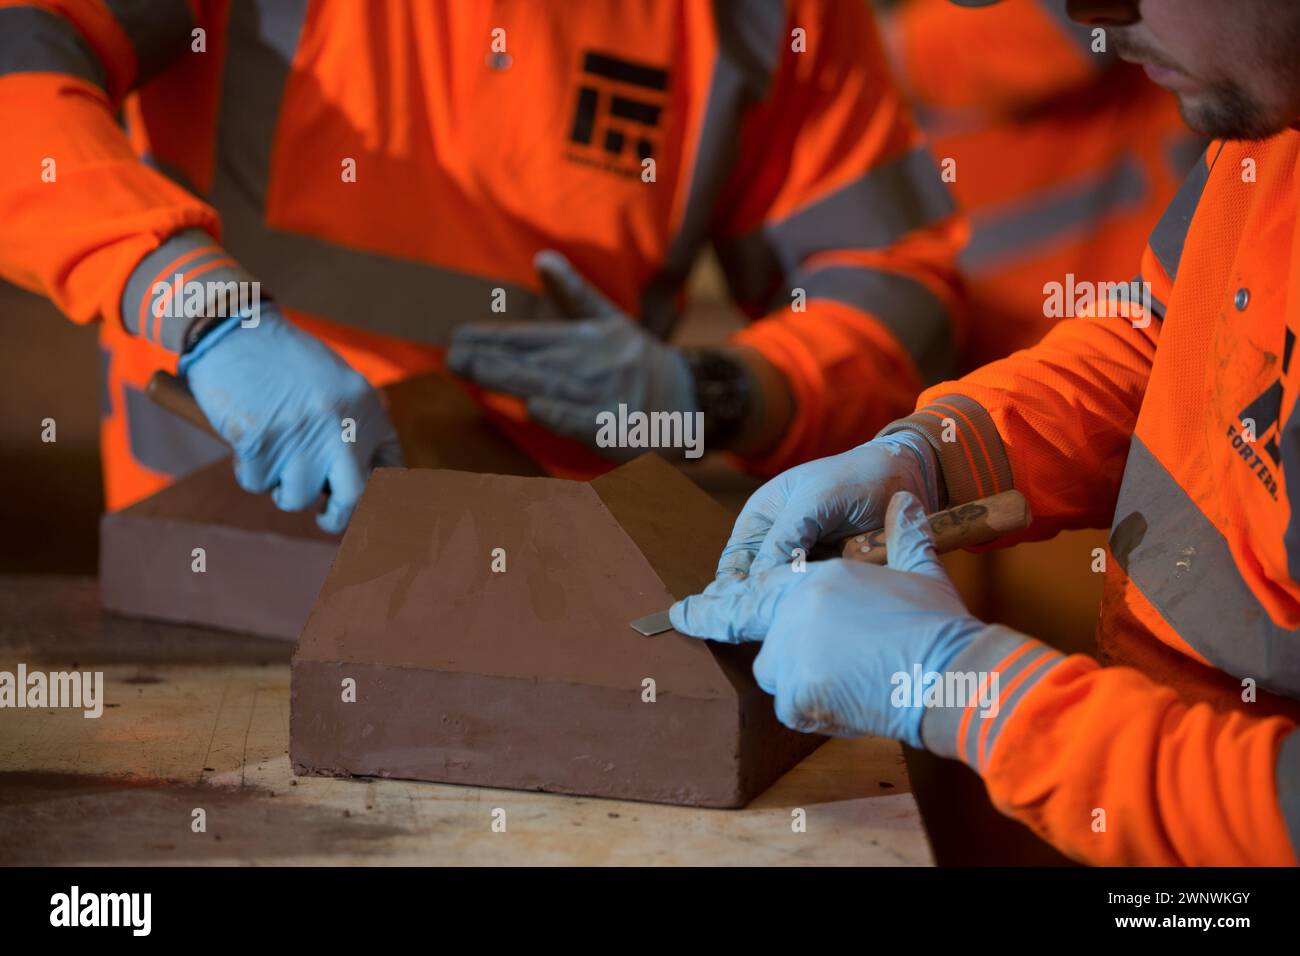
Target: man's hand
827,499
283,400
568,372
835,635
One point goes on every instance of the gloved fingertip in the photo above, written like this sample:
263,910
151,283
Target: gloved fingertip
298,486
332,522
680,617
905,514
789,714
909,537
551,260
559,416
706,616
335,516
250,476
765,670
566,286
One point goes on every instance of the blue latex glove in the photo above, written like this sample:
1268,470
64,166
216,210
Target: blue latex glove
278,396
834,636
827,499
567,372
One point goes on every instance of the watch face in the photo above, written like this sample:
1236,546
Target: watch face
722,389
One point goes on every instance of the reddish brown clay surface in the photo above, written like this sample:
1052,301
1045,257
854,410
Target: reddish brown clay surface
531,678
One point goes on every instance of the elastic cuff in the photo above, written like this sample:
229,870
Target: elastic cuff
186,279
995,673
970,450
1288,786
928,461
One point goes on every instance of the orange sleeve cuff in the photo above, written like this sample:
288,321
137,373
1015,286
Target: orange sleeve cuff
846,372
1114,769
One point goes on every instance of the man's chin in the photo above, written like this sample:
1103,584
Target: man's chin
1226,116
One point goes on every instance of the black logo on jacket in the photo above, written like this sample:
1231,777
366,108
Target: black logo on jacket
617,112
1262,420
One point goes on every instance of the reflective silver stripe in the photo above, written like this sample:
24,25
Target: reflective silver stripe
366,290
151,288
1171,231
915,316
1181,564
36,41
159,31
1015,680
1010,231
1157,307
875,210
749,45
1288,786
391,295
1182,150
1117,303
105,395
750,39
988,653
166,442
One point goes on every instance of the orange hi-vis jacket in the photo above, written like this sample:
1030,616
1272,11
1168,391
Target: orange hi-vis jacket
1178,426
382,166
1061,155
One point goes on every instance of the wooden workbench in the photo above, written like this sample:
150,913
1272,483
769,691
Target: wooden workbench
200,719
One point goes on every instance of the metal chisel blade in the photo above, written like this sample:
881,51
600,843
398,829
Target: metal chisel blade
652,624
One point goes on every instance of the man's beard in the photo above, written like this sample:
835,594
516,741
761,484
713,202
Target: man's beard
1227,112
1224,111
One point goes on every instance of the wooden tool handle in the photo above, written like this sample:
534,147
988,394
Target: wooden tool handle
976,522
171,393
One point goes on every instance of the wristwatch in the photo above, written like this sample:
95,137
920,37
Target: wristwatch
724,392
204,324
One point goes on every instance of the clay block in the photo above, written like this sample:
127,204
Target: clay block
531,678
264,566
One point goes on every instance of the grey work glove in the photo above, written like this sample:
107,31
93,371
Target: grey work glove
568,372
